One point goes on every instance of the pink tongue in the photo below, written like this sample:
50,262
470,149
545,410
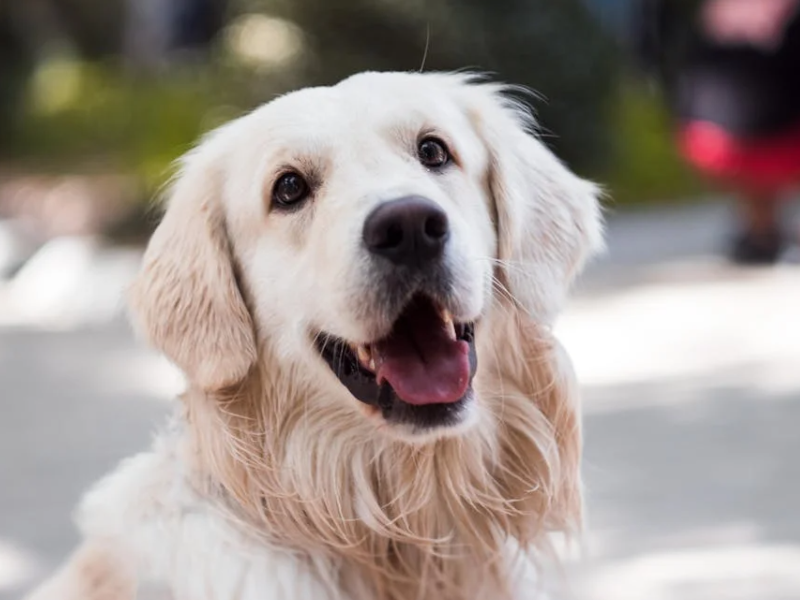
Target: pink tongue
421,363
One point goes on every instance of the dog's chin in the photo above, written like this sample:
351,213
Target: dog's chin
418,377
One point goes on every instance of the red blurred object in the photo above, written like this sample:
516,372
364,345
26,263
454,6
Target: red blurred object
770,164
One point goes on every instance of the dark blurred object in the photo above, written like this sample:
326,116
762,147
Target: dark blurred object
614,14
556,48
730,70
15,66
749,90
157,31
153,32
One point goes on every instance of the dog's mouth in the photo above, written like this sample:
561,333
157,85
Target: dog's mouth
421,371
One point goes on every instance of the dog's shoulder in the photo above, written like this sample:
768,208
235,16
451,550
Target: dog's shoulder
142,506
183,541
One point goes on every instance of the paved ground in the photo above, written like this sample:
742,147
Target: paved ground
691,373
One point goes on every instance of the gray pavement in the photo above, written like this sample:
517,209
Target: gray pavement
691,372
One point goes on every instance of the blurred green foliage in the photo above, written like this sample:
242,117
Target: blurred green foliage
646,165
88,109
115,122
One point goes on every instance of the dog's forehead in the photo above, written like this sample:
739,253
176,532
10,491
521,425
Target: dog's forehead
372,103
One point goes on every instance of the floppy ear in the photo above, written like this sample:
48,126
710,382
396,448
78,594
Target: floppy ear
185,299
548,222
548,219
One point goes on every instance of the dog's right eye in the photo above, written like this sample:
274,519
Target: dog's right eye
290,188
433,153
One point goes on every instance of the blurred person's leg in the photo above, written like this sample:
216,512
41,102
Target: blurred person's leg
760,240
757,173
759,212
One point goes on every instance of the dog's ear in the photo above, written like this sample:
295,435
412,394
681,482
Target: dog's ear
548,220
185,299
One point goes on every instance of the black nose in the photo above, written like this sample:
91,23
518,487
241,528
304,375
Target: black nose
408,231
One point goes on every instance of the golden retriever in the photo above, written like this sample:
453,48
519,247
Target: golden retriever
359,284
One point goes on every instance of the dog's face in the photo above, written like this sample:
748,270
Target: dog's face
366,233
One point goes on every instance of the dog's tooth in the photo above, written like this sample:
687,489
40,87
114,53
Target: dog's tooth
372,365
364,355
449,326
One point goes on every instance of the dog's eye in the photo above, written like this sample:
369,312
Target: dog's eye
290,189
433,153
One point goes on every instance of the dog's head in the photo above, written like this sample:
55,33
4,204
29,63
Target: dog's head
370,234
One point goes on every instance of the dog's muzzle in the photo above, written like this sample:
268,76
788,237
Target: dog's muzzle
420,371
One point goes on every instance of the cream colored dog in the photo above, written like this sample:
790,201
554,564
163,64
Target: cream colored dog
359,283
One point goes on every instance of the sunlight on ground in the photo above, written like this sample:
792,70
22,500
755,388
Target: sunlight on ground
673,330
716,573
69,282
149,374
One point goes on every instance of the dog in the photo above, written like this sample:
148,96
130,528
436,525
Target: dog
359,284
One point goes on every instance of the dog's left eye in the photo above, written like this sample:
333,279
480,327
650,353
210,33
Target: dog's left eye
433,153
290,189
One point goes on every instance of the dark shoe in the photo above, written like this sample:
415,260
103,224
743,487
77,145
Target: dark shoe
757,248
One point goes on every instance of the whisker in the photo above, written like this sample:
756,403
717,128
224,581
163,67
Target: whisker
427,45
503,291
518,266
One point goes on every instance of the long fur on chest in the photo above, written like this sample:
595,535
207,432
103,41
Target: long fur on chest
393,520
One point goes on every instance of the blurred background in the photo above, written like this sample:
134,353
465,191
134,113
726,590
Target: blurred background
689,362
